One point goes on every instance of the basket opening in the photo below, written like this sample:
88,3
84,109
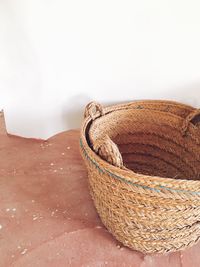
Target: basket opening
151,143
156,156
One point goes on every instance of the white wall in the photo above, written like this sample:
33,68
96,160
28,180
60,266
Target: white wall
58,55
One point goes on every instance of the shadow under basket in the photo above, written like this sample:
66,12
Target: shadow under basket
143,161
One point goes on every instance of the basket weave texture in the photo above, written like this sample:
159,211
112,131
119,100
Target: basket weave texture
143,162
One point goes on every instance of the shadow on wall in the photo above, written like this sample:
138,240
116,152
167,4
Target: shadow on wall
189,94
72,114
74,110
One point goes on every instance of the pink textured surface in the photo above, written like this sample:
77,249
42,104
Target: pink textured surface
47,217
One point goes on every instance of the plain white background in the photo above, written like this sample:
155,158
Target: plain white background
55,56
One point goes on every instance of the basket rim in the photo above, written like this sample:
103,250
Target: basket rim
152,183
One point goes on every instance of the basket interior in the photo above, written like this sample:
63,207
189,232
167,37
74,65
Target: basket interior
151,142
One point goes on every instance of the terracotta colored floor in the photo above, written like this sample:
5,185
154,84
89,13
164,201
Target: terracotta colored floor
47,217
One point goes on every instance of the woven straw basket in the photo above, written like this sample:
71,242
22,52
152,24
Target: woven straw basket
143,161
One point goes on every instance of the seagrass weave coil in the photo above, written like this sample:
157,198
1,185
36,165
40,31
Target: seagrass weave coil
143,162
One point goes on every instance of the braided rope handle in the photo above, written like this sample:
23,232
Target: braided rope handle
193,117
94,110
108,151
104,147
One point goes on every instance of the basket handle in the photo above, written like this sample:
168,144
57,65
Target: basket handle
193,117
104,146
108,151
94,110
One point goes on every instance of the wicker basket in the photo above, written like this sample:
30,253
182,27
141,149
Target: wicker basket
143,161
